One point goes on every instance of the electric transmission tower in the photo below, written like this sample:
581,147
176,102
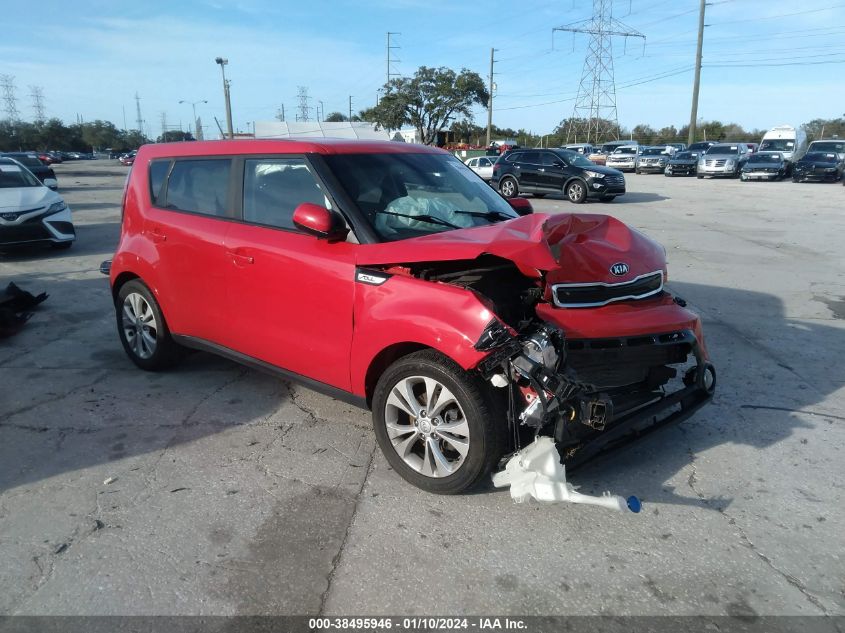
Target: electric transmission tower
139,120
594,117
391,60
303,108
10,100
37,95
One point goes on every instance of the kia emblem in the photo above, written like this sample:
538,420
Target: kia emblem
619,269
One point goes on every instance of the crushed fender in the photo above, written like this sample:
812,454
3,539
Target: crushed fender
536,471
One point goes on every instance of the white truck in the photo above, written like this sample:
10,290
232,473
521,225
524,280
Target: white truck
786,140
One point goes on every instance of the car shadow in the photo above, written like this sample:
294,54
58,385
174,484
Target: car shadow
635,197
70,399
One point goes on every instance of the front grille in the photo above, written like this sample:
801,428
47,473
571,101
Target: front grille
26,232
616,362
614,181
715,162
599,294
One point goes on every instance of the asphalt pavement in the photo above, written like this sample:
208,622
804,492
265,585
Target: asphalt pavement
213,489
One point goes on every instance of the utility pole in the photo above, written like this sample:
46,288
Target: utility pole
693,117
594,117
226,95
350,108
124,117
280,114
490,98
321,114
139,120
390,61
197,130
37,95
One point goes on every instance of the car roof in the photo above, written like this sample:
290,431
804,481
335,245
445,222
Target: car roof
283,146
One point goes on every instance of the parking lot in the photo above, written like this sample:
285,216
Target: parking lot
232,492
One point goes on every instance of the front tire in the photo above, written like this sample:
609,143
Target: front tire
437,425
508,187
576,192
142,328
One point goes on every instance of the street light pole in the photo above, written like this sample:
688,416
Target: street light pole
197,132
226,95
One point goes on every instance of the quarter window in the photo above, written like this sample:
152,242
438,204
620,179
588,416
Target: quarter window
273,188
199,186
158,172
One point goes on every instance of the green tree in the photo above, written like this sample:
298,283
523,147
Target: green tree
825,128
429,100
336,117
175,136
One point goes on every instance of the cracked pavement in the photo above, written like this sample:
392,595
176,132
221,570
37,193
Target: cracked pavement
232,492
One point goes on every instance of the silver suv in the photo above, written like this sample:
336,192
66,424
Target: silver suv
723,159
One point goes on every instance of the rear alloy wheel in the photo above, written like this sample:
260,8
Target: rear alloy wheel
508,187
576,191
436,424
142,330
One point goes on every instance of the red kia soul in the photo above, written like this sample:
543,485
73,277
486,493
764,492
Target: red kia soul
391,276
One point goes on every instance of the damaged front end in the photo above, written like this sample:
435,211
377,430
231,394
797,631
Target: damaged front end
588,348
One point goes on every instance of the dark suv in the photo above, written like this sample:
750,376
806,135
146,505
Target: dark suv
544,171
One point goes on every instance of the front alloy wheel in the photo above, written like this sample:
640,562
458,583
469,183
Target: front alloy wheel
438,426
576,191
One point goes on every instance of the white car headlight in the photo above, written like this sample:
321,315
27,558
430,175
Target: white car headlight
57,206
593,174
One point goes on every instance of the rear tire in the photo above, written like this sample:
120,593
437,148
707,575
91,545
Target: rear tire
509,187
142,329
410,434
576,191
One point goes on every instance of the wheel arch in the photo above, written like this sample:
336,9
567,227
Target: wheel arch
384,359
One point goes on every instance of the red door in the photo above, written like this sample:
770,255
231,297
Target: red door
290,294
190,263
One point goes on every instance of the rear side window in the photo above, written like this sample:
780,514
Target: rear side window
532,157
158,172
274,187
199,186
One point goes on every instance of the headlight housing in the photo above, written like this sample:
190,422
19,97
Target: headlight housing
56,207
593,174
730,162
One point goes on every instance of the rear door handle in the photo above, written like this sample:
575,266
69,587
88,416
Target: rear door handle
240,258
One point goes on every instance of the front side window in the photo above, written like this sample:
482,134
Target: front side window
274,187
199,186
409,195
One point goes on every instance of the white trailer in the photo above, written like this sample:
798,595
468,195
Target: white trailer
786,140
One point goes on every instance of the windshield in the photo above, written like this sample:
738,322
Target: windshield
12,176
685,156
766,158
653,151
625,151
574,158
778,145
820,157
409,195
827,146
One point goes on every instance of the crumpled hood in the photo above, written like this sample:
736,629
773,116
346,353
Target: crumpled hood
20,198
569,247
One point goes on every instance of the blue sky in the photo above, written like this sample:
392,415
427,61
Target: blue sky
767,62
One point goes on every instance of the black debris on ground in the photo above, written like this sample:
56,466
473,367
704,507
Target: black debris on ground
16,307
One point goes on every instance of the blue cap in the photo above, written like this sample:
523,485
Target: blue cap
634,504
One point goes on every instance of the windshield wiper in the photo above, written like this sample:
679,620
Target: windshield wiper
423,218
489,215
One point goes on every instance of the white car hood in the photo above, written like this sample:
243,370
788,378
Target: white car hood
25,198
